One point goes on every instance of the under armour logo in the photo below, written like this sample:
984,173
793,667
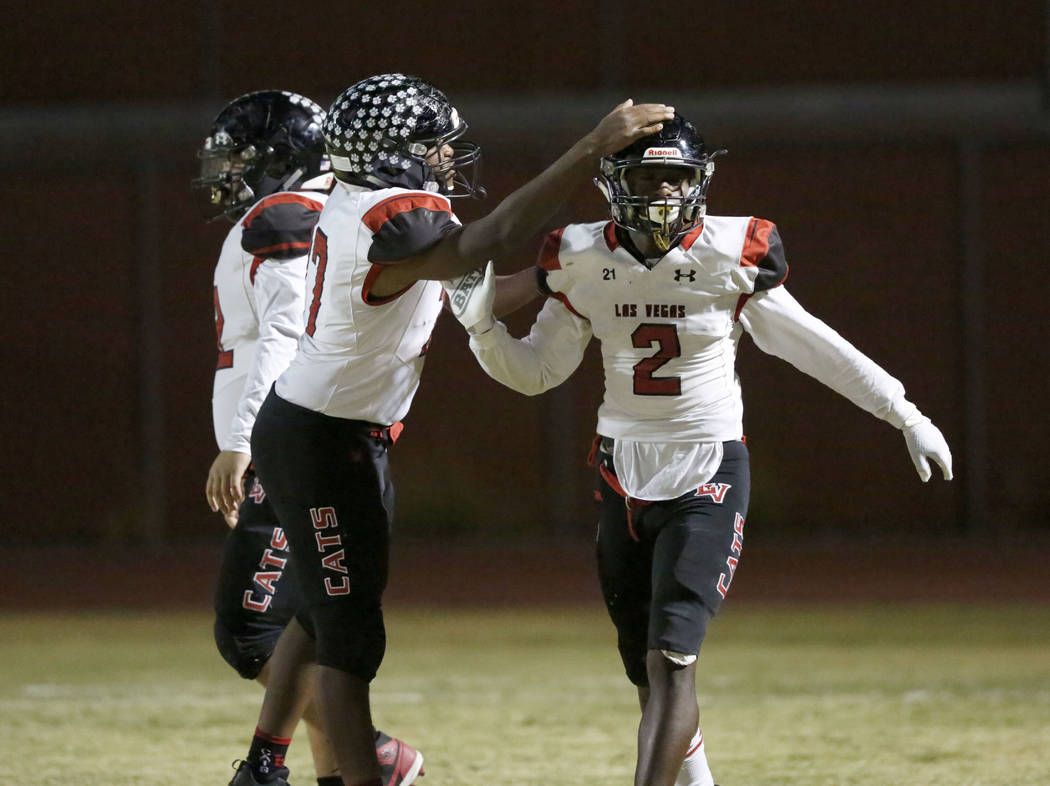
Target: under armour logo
679,274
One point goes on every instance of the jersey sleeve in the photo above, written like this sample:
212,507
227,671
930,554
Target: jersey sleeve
540,361
406,225
280,226
279,292
780,326
551,279
764,251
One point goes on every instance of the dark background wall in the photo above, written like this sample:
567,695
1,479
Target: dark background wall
903,150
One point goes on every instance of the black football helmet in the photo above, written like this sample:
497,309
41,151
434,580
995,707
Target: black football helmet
262,142
378,133
677,144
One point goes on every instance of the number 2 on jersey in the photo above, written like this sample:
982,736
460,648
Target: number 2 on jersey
668,347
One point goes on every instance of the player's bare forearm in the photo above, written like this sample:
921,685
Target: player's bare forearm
524,212
514,291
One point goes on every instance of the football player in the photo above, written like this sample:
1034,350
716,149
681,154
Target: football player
385,240
668,291
263,167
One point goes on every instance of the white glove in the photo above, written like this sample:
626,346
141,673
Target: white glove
924,441
470,299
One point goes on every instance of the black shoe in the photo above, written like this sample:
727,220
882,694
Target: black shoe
245,777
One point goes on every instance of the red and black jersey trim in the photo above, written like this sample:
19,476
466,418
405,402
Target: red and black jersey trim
406,225
689,239
378,300
541,282
280,226
548,261
548,256
763,249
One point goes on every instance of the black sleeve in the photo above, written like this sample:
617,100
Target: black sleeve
408,233
541,282
280,227
773,267
764,249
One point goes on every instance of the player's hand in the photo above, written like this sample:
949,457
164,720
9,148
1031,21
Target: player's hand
626,123
225,487
470,299
925,441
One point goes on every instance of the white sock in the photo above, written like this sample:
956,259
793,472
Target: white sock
695,771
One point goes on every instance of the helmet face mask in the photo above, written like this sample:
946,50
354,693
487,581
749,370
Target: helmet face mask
452,163
222,175
259,143
633,179
396,130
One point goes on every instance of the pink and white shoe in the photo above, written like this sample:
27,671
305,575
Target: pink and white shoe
399,764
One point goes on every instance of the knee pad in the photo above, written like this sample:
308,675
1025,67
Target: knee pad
246,650
350,637
679,658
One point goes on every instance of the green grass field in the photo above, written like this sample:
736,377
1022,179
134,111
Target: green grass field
823,695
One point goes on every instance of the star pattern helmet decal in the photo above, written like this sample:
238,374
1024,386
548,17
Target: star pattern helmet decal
369,123
379,132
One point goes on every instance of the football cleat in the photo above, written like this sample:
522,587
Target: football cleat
399,764
245,777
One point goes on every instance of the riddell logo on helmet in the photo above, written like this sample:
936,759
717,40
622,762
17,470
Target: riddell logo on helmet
662,152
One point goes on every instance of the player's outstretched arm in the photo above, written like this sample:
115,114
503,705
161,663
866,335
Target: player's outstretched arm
514,291
780,326
925,441
524,212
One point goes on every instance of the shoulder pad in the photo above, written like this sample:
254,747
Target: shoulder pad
549,263
280,226
764,249
407,224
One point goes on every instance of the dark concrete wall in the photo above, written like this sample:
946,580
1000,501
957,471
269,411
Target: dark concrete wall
872,233
109,50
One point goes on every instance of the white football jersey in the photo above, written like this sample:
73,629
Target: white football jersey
666,333
669,338
258,288
360,357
